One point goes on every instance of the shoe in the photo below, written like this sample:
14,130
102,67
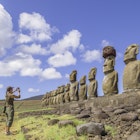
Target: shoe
8,133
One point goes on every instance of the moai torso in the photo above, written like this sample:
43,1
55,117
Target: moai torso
131,74
58,96
74,87
110,80
66,94
61,95
93,85
83,89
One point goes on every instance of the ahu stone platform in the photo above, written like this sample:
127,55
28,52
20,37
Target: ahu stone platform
124,99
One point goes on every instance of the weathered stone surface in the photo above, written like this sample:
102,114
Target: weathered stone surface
120,111
83,89
131,72
110,81
66,94
65,123
90,128
129,117
81,116
132,81
52,122
74,87
134,136
109,50
93,84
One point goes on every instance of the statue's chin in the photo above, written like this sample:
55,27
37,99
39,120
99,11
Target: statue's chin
106,71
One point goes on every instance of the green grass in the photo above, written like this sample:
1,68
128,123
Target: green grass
37,126
111,130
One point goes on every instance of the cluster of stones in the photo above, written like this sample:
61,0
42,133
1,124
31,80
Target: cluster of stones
79,90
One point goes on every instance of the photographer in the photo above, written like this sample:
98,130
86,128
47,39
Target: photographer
10,96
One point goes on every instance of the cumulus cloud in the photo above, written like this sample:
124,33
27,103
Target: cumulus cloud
33,49
22,38
33,90
50,73
61,60
92,55
71,41
26,65
6,31
38,28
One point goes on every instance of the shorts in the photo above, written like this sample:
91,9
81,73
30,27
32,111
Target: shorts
10,115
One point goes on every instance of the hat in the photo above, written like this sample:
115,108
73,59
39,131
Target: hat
9,88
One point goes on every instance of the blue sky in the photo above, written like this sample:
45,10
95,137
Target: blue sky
41,42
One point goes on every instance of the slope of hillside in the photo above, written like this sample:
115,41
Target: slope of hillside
39,97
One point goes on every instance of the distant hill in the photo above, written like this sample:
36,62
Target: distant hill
39,97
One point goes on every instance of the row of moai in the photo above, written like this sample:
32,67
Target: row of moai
79,91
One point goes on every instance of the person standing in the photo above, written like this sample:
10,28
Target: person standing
10,96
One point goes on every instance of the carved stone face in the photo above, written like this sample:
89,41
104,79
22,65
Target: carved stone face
130,53
83,80
109,64
73,76
92,74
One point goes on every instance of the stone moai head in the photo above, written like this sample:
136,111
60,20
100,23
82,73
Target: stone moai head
92,74
73,76
131,53
62,88
109,54
83,80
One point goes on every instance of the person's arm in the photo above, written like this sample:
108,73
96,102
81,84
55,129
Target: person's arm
12,95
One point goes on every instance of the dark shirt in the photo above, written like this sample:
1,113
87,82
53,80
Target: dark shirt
9,99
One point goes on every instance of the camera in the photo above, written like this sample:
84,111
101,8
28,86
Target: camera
18,89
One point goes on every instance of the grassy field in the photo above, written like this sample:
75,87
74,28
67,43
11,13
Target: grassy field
36,127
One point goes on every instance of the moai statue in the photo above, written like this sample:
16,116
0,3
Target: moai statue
44,100
58,97
66,94
131,74
74,87
61,95
83,89
55,97
51,98
110,81
93,84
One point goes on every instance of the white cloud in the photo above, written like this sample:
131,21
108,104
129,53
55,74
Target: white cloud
61,60
22,38
50,73
33,90
33,49
105,43
92,55
71,41
26,65
1,86
6,31
39,29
